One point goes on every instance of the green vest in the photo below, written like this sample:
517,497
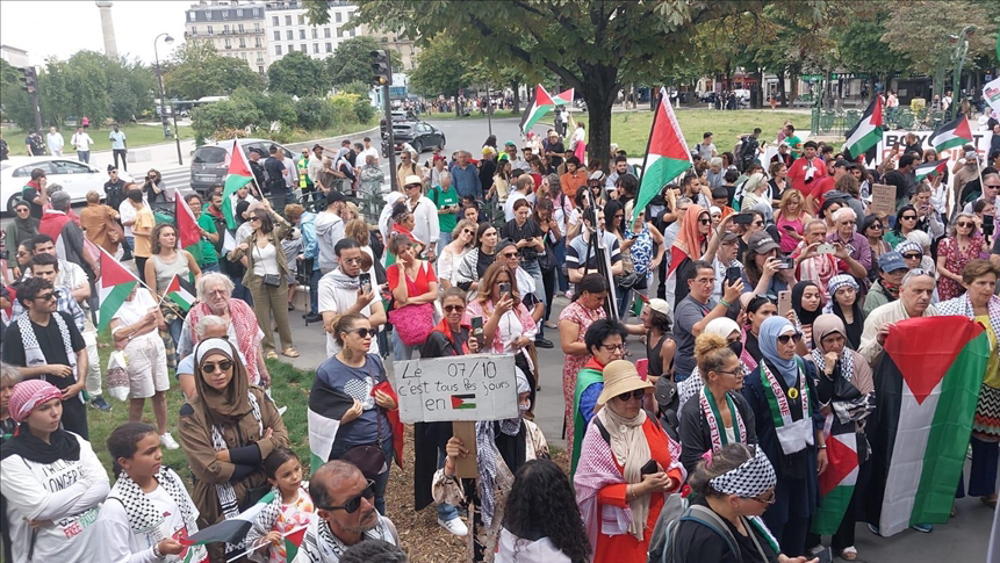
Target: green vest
584,379
303,166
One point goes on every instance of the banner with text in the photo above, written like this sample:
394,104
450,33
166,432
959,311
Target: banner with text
991,93
890,140
473,387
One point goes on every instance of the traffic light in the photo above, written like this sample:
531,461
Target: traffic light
29,80
381,68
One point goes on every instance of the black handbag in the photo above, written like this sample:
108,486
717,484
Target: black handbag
272,280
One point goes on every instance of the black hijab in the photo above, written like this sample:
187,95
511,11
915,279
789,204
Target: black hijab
806,318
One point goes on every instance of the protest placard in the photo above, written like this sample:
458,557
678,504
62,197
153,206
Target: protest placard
883,199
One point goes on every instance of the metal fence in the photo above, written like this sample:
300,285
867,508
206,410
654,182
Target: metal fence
835,121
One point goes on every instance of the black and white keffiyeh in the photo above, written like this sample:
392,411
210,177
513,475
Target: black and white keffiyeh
320,545
142,514
751,479
33,350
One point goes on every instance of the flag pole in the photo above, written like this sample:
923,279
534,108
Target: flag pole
649,143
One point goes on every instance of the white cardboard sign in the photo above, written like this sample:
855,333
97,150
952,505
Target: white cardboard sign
456,388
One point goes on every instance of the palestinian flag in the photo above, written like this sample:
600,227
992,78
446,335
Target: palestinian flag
541,105
181,292
113,287
667,155
188,233
232,531
836,484
463,401
928,168
927,386
293,540
950,135
868,131
564,98
238,176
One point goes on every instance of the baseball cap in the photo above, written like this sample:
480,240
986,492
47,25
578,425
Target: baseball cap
761,242
660,306
891,261
509,144
334,196
730,237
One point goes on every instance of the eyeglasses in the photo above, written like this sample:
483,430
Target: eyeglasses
355,260
965,224
47,296
353,504
785,338
454,308
705,221
913,256
22,209
638,395
732,373
613,347
511,255
908,217
224,365
767,498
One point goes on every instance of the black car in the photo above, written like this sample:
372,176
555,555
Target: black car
418,134
210,163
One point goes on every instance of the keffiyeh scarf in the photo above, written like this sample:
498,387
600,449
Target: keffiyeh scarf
227,495
495,478
142,514
751,479
320,545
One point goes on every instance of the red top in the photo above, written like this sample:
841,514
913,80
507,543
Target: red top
415,287
797,174
820,189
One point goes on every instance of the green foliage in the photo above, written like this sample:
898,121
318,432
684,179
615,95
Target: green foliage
197,70
351,61
313,112
358,88
16,103
298,74
317,11
363,109
278,115
274,106
932,21
861,47
437,71
225,115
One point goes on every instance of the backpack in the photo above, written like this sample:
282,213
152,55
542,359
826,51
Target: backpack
675,511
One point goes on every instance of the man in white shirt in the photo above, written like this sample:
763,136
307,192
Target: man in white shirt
521,191
706,149
315,165
340,293
55,142
516,162
81,141
368,150
426,227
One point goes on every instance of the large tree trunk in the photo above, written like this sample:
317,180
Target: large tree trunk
516,110
600,92
781,88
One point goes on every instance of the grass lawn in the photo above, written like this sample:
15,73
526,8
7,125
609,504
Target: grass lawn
135,135
631,130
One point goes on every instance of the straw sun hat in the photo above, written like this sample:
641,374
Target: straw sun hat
620,377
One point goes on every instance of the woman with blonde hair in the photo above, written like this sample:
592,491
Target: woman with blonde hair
166,262
452,254
791,219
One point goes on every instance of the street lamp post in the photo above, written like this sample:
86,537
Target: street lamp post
159,77
961,50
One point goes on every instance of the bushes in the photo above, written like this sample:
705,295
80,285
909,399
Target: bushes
292,118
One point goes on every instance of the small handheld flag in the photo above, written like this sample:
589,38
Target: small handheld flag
239,175
114,286
181,292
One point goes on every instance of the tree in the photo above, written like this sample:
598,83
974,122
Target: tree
197,70
437,72
225,116
351,61
862,49
298,74
16,103
594,46
933,21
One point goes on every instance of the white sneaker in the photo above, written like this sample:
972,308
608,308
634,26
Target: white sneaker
167,441
455,526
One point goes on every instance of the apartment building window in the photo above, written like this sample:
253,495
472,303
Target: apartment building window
326,32
315,33
303,49
329,47
243,43
315,47
302,19
191,16
277,35
288,20
340,32
194,30
225,30
260,69
255,12
208,16
277,50
229,44
339,16
290,34
241,28
211,31
256,42
351,33
302,34
244,55
275,20
239,12
256,26
225,14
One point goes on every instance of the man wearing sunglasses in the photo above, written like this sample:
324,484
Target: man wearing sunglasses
346,514
341,293
46,344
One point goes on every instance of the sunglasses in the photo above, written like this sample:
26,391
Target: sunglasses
785,338
770,498
509,255
454,308
224,365
365,332
965,224
638,395
252,219
912,256
47,296
876,226
908,217
468,231
705,221
354,503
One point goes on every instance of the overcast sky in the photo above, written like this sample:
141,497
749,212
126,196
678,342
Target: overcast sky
59,28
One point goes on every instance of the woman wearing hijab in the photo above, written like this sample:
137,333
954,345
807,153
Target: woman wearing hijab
690,245
720,416
789,429
843,292
845,392
23,228
502,447
51,480
227,431
807,302
626,469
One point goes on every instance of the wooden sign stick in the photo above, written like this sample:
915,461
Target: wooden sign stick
465,467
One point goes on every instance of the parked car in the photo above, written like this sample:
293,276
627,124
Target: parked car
419,134
210,163
77,178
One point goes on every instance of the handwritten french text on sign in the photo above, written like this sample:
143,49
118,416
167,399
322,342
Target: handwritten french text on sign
883,199
474,387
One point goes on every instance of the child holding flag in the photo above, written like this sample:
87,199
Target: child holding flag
279,527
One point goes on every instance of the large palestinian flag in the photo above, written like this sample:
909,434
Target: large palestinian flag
541,105
188,233
113,287
928,168
238,176
952,134
868,131
667,155
927,386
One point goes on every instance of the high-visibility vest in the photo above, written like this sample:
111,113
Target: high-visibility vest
303,166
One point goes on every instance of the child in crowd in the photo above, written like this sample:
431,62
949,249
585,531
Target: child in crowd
289,512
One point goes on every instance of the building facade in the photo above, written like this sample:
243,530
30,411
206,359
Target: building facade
399,43
235,28
14,56
288,29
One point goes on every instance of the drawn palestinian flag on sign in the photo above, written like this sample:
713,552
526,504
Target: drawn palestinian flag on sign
463,401
927,387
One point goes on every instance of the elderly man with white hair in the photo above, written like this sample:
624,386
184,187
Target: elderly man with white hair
215,297
915,296
846,233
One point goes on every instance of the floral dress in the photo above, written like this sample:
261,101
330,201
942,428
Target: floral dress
956,258
572,365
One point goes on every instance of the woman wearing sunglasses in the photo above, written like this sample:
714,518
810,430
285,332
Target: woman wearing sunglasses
690,245
227,431
625,463
873,228
452,254
352,401
789,428
733,490
964,244
906,221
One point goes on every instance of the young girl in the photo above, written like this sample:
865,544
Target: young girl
291,509
148,509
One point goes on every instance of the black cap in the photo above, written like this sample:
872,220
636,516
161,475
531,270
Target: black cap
841,163
333,196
